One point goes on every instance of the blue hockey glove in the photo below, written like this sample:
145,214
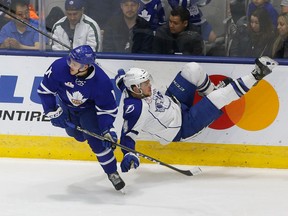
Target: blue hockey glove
119,79
58,118
129,161
110,136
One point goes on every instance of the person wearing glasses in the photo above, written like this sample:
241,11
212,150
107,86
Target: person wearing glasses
17,35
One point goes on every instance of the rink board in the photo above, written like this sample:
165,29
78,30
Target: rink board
174,153
253,133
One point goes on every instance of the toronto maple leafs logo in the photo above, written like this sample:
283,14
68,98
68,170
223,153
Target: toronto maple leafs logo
76,98
193,10
145,15
161,103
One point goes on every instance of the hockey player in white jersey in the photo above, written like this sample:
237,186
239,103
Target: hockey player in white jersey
171,117
76,90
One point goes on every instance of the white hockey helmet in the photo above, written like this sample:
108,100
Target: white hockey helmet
135,76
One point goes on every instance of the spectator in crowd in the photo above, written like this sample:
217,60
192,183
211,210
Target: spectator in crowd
76,28
280,46
16,35
284,6
153,11
196,18
178,36
127,32
101,10
237,9
4,18
33,12
54,15
255,38
254,4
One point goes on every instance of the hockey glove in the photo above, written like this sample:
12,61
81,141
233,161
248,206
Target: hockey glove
119,79
58,118
129,161
110,136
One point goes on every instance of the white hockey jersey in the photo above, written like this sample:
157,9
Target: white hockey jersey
157,115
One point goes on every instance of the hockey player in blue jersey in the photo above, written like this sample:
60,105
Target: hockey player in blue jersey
76,90
171,116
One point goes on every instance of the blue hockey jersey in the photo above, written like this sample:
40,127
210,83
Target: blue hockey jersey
153,12
196,16
95,91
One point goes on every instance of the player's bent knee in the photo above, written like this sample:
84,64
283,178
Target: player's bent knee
193,72
182,89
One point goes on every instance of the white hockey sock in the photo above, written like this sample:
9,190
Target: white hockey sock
195,74
233,91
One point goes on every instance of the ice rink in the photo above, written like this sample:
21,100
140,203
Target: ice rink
32,187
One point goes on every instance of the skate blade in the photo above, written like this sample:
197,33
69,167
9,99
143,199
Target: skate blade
122,191
196,171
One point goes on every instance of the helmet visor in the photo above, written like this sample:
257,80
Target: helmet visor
74,65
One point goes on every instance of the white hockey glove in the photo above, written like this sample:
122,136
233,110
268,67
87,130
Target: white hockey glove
58,118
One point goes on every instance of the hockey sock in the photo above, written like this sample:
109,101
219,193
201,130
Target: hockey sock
233,91
195,74
107,160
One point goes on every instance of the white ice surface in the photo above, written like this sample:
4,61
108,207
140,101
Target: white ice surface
77,188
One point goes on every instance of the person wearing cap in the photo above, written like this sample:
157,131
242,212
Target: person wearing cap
76,28
178,36
127,32
284,6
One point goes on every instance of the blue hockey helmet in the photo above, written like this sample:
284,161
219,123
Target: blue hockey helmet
82,54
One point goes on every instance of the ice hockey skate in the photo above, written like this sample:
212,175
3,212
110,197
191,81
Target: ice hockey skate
263,67
223,83
116,180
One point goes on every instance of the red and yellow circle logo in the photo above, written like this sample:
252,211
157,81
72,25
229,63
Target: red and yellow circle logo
255,111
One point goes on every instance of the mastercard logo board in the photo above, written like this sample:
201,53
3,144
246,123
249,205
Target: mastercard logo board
254,111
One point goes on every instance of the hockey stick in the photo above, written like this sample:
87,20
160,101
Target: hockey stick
193,172
6,11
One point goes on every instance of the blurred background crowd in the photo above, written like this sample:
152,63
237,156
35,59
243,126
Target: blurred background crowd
238,28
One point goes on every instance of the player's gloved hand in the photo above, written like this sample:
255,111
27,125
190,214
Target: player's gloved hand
119,79
129,161
58,118
110,136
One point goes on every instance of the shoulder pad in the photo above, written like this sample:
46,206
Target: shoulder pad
132,108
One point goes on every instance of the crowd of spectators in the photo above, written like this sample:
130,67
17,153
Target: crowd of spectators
149,26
